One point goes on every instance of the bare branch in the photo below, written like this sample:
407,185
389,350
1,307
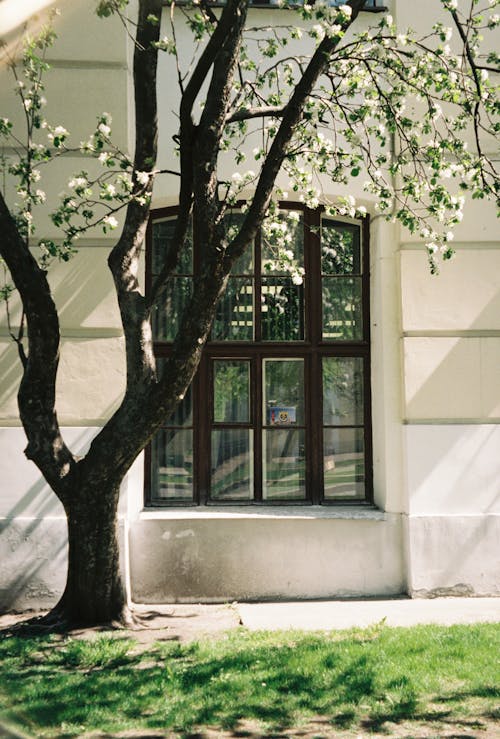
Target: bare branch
291,117
36,395
245,114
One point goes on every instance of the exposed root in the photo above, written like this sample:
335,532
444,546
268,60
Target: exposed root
60,621
53,622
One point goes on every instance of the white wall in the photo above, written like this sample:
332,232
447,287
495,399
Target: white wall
451,347
436,404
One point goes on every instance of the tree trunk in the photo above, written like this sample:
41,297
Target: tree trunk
94,592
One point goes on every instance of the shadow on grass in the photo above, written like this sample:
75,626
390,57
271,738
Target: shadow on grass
66,687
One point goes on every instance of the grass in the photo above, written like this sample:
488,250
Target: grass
359,680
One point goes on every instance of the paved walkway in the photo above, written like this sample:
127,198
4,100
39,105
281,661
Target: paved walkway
325,615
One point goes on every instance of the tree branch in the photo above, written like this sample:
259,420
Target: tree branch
290,118
123,260
245,114
36,396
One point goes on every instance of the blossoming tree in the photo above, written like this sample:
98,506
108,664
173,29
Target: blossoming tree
377,103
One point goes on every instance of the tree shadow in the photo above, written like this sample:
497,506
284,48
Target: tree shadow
182,687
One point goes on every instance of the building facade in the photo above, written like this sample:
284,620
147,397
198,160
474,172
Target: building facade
342,436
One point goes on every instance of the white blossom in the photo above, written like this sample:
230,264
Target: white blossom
109,190
77,182
346,10
110,221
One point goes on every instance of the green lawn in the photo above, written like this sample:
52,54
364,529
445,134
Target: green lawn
362,680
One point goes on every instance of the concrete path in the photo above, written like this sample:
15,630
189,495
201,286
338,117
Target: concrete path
326,615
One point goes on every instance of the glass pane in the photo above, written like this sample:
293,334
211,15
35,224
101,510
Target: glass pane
232,464
340,248
283,392
172,465
183,414
234,317
243,265
342,316
166,317
284,464
344,463
288,233
231,392
343,391
163,232
282,309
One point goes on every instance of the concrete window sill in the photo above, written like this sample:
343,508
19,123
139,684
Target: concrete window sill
305,512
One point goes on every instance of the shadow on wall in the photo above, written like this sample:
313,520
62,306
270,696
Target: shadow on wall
34,561
85,297
33,532
452,442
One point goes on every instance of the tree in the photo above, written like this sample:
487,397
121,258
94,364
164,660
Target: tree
385,105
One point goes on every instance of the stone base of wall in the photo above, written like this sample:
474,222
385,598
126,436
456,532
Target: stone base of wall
217,557
453,555
33,562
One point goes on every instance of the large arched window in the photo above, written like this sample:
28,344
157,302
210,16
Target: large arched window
279,412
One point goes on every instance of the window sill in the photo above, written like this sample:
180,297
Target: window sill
265,512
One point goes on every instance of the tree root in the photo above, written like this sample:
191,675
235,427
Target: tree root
59,621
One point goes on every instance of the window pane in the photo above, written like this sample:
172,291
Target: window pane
344,463
163,232
282,309
283,392
342,315
290,229
232,464
343,391
166,317
172,465
340,248
284,464
183,414
231,392
234,317
243,265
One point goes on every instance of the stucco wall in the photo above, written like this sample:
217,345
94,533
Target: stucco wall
451,348
435,385
89,75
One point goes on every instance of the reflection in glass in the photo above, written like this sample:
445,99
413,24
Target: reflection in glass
234,317
272,243
232,464
342,315
283,391
231,391
343,391
166,317
163,232
340,248
282,309
172,464
344,463
233,221
284,464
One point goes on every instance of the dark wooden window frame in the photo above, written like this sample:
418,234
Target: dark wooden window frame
371,6
312,350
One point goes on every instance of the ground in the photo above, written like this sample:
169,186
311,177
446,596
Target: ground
185,623
182,623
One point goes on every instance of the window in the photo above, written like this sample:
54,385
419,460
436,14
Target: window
371,6
279,412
